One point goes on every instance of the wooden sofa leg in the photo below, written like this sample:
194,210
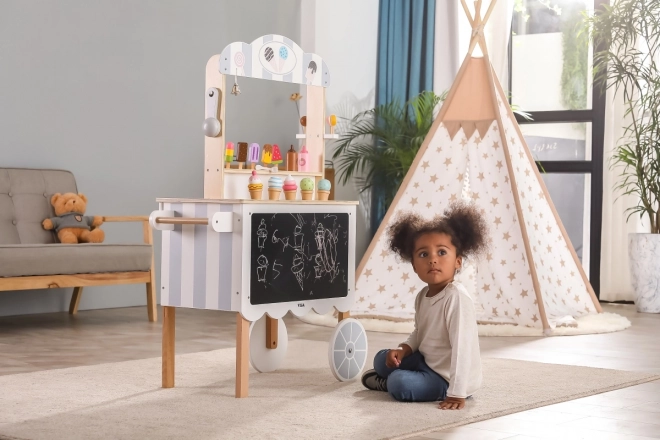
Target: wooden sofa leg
151,285
151,300
75,300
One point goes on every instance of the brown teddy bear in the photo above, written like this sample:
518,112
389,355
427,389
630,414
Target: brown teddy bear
71,225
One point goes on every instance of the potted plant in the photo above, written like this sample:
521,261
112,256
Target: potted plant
380,145
627,38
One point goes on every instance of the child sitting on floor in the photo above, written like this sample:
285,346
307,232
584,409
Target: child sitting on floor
440,361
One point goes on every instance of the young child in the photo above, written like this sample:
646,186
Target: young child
440,361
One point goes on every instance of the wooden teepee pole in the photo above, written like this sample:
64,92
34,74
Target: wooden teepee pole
516,195
590,289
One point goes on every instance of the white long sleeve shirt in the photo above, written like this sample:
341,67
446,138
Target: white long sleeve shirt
446,335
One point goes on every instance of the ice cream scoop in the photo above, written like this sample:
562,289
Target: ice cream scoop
324,184
307,184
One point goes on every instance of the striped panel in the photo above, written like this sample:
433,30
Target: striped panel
196,261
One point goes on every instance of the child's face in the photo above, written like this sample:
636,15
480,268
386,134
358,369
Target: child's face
434,259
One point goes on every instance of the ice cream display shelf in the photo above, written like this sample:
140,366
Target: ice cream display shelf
280,172
325,136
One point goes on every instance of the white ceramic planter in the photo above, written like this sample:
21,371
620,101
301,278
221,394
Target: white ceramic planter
644,253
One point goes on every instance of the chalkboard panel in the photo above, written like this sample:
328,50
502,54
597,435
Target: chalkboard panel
298,257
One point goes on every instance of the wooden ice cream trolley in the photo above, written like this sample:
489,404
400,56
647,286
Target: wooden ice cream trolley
261,258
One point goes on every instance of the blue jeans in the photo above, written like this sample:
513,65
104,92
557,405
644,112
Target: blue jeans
413,381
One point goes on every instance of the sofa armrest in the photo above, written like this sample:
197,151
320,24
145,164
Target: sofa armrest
146,227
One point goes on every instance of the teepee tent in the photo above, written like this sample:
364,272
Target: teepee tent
475,150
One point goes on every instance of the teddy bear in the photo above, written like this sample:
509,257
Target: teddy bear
70,224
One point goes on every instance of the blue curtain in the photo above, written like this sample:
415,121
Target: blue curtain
405,63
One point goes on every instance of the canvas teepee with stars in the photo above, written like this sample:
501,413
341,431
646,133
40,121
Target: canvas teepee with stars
475,150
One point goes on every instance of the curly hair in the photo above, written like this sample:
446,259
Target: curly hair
461,221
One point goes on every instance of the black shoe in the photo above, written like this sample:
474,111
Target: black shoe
373,381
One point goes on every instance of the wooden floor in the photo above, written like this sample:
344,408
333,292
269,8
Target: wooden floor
40,342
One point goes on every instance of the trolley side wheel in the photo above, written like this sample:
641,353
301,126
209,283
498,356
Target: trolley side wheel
347,351
264,359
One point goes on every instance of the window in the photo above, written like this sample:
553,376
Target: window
550,77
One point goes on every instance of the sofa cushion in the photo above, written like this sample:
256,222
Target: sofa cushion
67,259
25,202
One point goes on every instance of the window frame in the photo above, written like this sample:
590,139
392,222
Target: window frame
593,167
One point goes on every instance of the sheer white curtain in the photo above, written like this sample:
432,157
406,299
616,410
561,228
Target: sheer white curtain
614,270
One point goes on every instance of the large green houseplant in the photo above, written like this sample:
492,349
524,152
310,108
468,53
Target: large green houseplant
381,144
627,40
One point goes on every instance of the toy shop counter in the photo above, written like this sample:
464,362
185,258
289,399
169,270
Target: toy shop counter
257,258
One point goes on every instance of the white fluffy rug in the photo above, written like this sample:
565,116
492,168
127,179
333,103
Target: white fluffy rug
590,324
302,400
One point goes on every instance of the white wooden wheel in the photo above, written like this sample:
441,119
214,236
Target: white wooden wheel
264,359
347,351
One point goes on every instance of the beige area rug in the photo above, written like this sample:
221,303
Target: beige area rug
587,325
301,401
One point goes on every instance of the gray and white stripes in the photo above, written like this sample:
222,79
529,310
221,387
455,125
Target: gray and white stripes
196,261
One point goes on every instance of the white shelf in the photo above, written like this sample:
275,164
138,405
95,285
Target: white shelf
326,136
267,173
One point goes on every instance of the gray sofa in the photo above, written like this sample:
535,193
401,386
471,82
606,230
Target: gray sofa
32,258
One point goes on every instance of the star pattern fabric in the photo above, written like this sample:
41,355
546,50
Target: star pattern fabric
502,282
386,281
504,285
563,289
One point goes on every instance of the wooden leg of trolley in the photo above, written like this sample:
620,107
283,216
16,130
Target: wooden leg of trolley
168,346
242,355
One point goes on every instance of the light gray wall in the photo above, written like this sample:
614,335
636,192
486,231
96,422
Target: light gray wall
113,91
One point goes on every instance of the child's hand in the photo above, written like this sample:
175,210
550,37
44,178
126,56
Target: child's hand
393,359
452,403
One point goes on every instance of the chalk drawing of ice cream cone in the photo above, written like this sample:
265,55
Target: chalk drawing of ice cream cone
262,233
297,269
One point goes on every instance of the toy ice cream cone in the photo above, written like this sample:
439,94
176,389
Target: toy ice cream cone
323,193
275,188
307,188
255,187
290,188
